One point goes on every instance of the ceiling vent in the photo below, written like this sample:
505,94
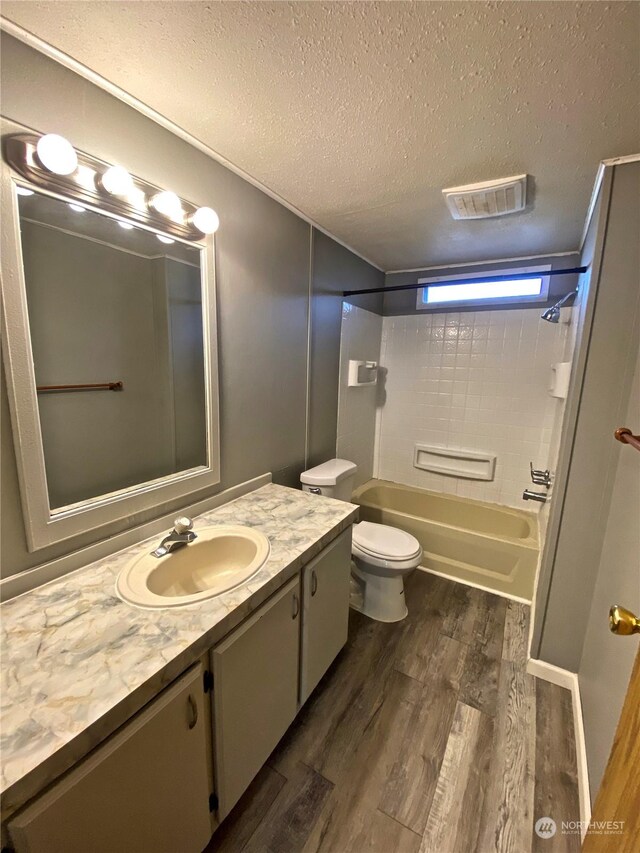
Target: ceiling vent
488,198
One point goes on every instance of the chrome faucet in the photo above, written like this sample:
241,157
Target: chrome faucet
528,495
181,535
540,478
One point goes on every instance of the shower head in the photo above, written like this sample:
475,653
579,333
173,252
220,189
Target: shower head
552,315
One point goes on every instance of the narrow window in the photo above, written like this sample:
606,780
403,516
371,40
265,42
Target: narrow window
501,290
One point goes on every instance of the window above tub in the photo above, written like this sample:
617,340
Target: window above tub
490,287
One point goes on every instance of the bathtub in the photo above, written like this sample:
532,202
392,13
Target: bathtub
489,545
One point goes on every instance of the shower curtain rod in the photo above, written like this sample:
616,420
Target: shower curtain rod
466,280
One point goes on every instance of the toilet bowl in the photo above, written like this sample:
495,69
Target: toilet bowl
382,555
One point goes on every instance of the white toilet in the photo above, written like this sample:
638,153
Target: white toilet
382,555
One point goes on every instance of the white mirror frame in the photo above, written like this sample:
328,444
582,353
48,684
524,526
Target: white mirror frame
43,525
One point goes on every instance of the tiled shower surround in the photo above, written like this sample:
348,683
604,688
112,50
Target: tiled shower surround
467,380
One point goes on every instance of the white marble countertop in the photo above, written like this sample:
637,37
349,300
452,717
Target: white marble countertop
77,661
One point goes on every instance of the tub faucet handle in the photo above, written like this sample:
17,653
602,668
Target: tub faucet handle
539,477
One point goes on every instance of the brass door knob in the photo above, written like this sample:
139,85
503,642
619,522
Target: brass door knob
623,621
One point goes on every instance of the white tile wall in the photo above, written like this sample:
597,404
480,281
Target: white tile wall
474,381
360,339
556,430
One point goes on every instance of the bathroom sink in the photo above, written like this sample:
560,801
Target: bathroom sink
219,559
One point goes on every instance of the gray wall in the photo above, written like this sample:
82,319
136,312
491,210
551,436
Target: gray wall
607,660
401,302
597,559
334,270
562,615
263,264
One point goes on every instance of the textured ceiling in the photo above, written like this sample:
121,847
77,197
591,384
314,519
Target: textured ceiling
360,113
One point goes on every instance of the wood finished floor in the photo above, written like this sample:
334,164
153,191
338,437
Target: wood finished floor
425,736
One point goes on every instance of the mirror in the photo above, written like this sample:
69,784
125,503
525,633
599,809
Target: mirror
113,388
115,308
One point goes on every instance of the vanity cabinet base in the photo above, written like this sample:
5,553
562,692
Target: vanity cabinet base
255,691
169,775
325,611
146,789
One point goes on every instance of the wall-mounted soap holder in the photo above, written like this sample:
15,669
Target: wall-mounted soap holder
453,462
559,379
362,373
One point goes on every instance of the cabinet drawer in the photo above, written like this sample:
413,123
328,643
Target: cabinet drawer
255,691
146,789
325,610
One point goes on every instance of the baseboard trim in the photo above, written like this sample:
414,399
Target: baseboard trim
475,585
25,581
569,680
552,673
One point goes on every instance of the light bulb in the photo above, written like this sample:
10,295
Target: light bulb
57,154
168,204
78,208
206,220
117,181
85,177
164,239
23,191
138,199
126,225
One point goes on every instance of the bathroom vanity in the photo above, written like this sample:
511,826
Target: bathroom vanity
166,715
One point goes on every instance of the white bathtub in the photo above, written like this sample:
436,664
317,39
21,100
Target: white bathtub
486,544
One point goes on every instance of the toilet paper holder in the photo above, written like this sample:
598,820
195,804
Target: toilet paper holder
362,373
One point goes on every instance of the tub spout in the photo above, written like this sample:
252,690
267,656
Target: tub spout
528,495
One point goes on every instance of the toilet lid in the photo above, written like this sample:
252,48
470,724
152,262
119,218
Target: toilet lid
383,541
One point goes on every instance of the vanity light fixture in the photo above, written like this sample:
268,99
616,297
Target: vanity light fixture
164,239
78,208
206,220
168,204
126,225
57,154
51,163
117,181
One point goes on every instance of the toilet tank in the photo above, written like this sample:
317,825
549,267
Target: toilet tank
333,479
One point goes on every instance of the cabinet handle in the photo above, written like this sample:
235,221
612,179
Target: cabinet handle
193,712
296,606
314,582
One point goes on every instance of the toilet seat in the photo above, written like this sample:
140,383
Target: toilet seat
387,544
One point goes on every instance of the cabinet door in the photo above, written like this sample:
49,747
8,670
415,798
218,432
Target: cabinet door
255,690
325,610
146,789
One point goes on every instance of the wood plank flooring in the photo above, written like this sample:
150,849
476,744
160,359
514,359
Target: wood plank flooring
425,736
